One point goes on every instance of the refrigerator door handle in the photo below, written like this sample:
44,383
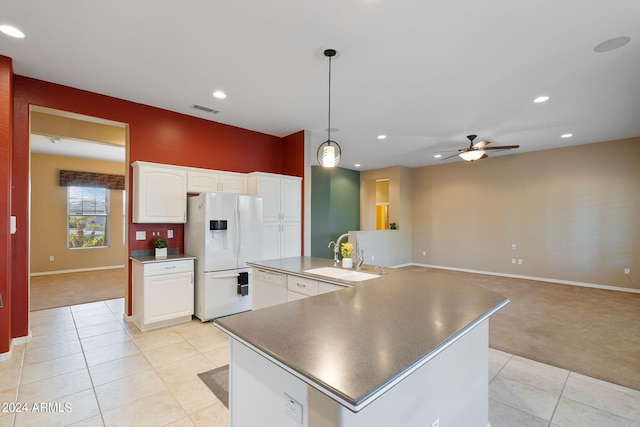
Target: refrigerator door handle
224,276
238,230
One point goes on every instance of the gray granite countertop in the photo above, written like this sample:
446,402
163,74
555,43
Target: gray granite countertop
354,342
145,259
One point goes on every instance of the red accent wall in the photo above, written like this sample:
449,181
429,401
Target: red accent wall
6,109
155,135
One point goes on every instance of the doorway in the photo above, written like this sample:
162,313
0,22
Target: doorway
78,249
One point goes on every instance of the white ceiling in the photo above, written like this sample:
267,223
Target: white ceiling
77,148
425,73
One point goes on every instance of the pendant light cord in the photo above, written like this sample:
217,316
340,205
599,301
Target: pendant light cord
329,127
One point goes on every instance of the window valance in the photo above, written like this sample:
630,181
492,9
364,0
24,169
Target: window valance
91,179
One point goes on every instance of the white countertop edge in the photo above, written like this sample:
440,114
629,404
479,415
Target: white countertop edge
366,401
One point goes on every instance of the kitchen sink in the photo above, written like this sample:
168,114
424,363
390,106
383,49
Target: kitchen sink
342,274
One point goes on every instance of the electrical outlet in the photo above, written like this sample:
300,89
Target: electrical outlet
627,272
141,235
513,246
373,258
293,409
513,260
424,253
170,234
51,258
519,261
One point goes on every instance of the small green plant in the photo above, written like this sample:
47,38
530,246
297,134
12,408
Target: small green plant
393,225
160,243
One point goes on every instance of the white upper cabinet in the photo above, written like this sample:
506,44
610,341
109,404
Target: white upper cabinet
282,213
282,195
210,181
159,193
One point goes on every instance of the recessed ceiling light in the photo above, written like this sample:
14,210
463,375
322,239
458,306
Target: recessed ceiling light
382,136
12,31
357,165
219,94
566,135
540,99
437,156
612,44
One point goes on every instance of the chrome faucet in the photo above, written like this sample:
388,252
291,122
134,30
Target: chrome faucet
335,253
360,260
336,248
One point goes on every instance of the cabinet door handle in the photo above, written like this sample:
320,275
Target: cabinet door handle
170,267
300,285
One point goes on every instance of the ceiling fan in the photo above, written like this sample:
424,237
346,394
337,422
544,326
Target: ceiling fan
478,150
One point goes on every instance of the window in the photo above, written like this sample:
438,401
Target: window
88,213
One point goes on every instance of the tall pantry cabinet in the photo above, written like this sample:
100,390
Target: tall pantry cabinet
282,206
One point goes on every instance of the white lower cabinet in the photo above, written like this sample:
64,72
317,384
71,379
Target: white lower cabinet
273,288
300,287
162,293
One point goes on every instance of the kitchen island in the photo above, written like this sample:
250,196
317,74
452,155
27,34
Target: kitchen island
404,348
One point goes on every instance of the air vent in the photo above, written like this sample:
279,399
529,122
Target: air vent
205,109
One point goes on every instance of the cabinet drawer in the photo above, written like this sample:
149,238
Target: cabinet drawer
302,285
295,296
324,288
168,267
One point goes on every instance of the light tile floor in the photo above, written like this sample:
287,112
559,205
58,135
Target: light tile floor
85,366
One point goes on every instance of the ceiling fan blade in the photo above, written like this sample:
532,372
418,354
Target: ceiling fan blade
449,157
481,144
502,147
484,156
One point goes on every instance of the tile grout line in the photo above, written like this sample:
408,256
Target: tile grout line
24,352
93,387
555,408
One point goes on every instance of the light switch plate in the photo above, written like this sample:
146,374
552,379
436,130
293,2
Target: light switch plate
141,235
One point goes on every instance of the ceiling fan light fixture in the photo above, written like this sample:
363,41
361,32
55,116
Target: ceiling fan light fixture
329,152
472,155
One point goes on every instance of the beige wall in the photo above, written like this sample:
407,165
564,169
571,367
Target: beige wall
574,214
49,217
398,246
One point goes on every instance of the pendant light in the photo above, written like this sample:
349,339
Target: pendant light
329,151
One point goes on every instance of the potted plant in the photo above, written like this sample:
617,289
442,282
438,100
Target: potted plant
160,244
345,250
393,226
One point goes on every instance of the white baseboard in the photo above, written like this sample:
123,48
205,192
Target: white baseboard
540,279
7,355
77,270
14,342
23,340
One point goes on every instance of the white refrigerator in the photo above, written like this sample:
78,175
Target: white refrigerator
223,231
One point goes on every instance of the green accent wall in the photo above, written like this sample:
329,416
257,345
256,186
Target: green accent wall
335,206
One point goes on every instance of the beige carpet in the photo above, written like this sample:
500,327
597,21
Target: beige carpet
593,332
60,290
